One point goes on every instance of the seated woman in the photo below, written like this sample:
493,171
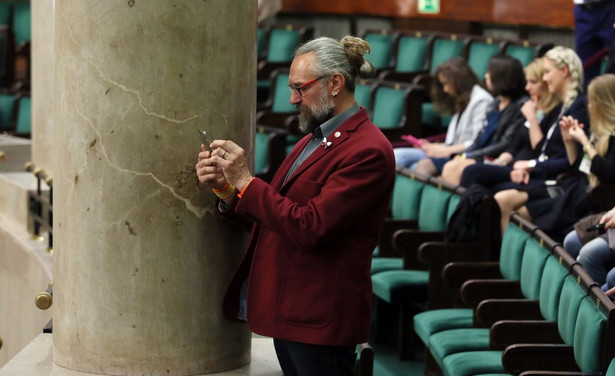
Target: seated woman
541,111
529,189
598,161
505,79
455,89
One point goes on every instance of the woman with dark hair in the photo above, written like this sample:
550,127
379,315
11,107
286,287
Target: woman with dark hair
455,90
506,80
540,112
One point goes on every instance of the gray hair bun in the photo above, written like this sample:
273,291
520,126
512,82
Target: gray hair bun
356,48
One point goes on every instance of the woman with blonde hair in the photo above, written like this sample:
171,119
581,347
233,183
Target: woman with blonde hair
534,183
598,162
540,111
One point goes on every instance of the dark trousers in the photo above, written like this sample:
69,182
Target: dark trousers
593,31
302,359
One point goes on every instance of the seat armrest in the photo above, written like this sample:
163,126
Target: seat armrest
442,253
508,332
491,310
407,242
456,273
522,357
391,225
392,75
474,291
423,79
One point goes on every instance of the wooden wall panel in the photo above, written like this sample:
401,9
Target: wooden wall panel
552,13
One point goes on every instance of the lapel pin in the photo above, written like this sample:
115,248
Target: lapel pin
326,143
337,134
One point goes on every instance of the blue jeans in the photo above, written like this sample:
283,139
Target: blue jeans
595,256
303,359
407,157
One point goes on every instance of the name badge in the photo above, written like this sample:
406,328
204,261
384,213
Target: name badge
585,165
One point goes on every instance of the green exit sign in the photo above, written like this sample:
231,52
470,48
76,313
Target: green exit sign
429,6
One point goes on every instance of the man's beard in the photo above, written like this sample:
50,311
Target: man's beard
311,118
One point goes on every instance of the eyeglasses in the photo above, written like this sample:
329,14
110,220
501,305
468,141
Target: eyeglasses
298,89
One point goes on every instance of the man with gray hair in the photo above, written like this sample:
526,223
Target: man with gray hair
305,279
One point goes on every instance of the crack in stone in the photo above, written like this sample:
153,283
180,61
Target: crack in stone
134,92
198,211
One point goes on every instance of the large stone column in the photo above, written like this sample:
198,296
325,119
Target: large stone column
141,260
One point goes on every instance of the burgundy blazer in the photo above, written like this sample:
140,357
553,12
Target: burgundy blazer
310,249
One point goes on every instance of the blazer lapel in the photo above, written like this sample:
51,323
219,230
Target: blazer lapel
335,139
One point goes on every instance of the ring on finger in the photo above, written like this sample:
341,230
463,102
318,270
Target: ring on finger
223,154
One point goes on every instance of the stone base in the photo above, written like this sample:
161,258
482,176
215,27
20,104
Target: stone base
37,360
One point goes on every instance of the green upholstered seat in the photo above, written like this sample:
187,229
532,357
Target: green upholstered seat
589,335
381,48
381,264
434,321
22,22
532,266
411,53
363,94
269,151
399,286
472,363
24,117
431,322
7,105
443,50
568,308
433,210
454,341
396,286
524,53
551,284
479,54
281,98
6,10
406,197
404,205
388,107
282,45
511,252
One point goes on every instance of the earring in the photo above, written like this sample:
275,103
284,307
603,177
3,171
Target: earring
334,94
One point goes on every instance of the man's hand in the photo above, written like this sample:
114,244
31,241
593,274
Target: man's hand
232,160
208,172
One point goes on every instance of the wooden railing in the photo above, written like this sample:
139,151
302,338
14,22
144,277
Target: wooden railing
552,13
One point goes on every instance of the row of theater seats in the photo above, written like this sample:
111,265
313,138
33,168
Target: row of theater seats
526,307
15,41
397,99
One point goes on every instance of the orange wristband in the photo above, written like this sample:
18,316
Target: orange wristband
244,188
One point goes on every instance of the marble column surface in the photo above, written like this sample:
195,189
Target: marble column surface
141,260
42,84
